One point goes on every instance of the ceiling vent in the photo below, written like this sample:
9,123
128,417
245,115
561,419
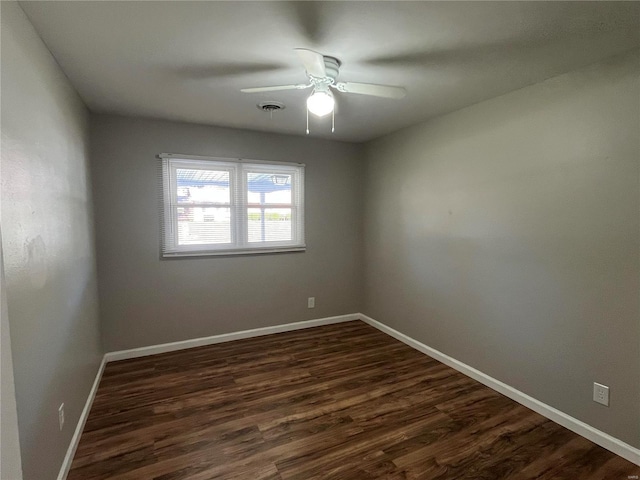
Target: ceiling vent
270,107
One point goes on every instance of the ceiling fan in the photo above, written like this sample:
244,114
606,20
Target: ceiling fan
322,72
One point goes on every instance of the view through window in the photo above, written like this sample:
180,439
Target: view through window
223,206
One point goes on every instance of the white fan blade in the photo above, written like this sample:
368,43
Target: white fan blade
386,91
274,88
313,62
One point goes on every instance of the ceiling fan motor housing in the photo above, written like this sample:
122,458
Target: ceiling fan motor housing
332,66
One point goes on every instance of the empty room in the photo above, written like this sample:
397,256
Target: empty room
342,240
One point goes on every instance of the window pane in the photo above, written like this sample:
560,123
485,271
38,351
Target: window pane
197,225
268,188
203,186
272,226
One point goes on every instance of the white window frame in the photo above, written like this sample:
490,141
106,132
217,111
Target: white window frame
238,170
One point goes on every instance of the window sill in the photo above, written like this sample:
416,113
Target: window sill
230,252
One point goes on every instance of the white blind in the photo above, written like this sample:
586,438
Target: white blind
226,206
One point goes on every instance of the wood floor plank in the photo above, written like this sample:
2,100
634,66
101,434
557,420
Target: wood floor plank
341,401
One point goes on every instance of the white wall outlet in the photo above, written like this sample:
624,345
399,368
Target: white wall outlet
601,394
61,415
311,302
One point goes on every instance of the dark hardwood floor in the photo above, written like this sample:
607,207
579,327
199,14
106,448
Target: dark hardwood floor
341,402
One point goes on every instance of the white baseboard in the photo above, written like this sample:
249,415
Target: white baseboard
75,440
583,429
226,337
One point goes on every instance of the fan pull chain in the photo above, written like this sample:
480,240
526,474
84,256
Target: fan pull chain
333,120
307,121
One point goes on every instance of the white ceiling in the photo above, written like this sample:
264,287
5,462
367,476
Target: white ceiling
188,60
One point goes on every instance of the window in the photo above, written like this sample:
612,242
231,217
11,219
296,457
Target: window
216,206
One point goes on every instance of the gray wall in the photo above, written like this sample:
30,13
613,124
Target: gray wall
10,459
506,236
145,300
47,243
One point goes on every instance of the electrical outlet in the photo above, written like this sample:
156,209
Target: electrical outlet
61,415
601,394
311,302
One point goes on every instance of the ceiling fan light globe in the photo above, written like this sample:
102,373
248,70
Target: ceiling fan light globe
320,103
